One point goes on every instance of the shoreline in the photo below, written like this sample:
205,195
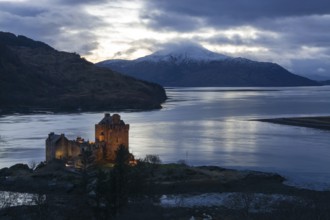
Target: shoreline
318,122
63,192
169,178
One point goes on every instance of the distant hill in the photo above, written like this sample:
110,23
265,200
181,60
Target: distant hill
34,75
196,66
325,82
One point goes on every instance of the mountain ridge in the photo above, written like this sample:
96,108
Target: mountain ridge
183,69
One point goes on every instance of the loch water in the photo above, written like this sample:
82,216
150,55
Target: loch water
202,126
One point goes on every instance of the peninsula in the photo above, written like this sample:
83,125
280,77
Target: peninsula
35,76
319,122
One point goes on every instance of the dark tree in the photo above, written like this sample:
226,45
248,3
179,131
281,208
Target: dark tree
119,179
87,159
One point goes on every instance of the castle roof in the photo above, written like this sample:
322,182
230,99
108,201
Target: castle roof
111,120
106,120
53,138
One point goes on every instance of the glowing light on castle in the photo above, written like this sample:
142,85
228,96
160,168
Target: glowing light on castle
110,133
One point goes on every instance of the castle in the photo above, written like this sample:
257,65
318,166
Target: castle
110,133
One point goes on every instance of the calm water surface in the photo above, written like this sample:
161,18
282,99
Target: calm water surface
203,126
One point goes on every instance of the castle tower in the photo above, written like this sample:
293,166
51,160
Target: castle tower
110,133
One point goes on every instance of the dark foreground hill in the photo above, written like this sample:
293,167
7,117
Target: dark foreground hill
154,191
194,66
33,75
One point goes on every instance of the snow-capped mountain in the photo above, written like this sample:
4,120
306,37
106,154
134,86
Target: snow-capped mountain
197,66
183,54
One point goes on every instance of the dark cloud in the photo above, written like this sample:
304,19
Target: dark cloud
21,10
235,39
293,33
63,27
168,21
285,29
228,13
308,30
87,42
82,2
318,69
136,45
146,43
179,44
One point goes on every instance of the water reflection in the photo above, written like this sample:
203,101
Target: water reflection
200,125
10,199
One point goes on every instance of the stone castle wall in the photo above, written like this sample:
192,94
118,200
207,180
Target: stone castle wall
110,133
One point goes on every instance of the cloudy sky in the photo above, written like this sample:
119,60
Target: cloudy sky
293,33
